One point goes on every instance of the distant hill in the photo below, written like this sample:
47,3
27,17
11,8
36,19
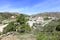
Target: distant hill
8,14
52,14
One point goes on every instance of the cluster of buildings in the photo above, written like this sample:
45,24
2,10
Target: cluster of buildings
39,21
32,21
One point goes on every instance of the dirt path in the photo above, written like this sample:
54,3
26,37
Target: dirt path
19,37
2,26
27,37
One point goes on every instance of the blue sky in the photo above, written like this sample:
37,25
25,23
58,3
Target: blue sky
30,6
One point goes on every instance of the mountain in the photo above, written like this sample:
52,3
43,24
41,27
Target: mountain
52,14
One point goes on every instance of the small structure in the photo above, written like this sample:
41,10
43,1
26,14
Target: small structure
12,16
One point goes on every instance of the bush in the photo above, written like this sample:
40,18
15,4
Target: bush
0,33
58,28
10,27
41,36
47,18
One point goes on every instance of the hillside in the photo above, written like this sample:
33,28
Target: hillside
8,14
52,14
41,29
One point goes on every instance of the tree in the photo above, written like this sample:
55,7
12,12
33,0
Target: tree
21,19
23,25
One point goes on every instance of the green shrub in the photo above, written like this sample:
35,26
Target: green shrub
47,18
0,33
41,36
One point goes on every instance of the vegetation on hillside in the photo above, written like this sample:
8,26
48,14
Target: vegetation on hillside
20,25
6,15
50,31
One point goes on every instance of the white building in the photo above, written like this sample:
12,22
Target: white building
39,20
35,20
12,16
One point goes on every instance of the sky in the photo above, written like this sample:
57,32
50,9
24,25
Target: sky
30,6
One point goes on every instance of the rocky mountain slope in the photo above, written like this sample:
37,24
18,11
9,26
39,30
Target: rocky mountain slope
52,14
